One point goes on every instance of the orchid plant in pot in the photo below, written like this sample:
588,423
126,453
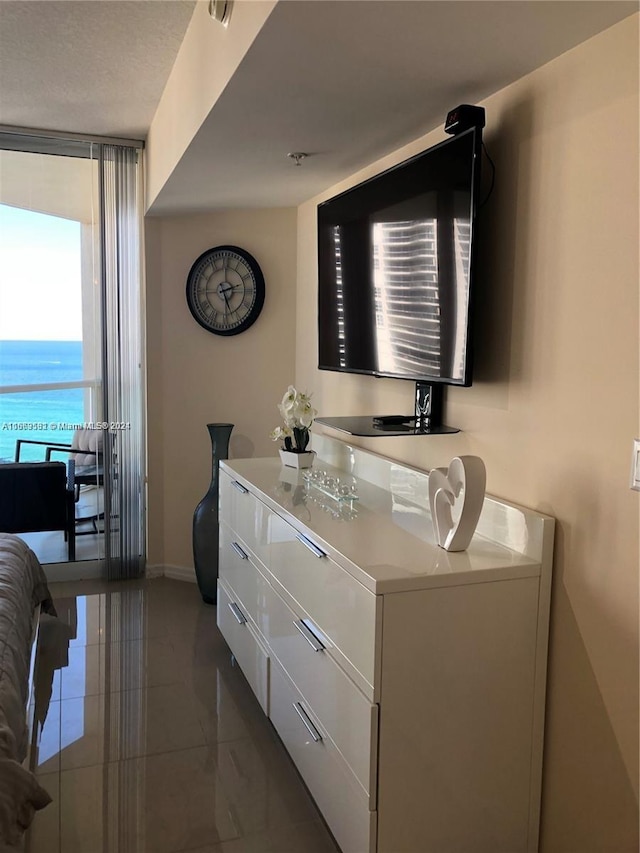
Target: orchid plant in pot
297,414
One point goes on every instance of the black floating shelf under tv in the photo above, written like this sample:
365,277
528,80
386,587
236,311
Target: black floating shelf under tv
365,426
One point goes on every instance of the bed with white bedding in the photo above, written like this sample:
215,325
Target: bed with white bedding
23,589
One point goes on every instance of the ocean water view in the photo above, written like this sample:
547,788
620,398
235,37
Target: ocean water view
34,363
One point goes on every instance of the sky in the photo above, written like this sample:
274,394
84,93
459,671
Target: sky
40,277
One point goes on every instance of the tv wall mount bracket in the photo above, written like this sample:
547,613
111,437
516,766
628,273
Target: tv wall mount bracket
426,419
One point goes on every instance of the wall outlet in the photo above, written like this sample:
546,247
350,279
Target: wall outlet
635,465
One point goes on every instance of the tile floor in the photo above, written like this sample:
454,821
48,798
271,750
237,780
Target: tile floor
152,740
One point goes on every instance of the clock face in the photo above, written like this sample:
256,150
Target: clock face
225,290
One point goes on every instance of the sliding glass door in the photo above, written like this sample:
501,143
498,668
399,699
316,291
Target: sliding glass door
71,368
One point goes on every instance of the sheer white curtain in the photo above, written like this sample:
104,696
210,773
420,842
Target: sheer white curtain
123,345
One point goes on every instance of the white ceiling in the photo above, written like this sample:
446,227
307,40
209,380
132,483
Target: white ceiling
345,80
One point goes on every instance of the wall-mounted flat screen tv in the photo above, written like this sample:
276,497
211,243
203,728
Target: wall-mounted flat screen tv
396,259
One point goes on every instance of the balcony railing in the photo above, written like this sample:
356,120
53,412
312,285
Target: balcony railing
47,412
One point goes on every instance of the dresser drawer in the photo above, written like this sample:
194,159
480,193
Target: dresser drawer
244,581
237,570
342,608
242,638
239,509
347,715
337,792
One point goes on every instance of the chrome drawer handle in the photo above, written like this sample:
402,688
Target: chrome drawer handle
239,487
309,636
242,554
240,617
313,731
317,552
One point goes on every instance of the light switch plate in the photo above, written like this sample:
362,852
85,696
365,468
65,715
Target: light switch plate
635,465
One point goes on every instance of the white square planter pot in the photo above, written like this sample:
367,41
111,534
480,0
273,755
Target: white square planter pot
297,460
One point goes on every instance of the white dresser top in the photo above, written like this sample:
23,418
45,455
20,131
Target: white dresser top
387,542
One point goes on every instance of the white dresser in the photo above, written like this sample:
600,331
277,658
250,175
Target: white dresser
407,683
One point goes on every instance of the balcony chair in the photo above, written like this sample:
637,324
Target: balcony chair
37,497
85,459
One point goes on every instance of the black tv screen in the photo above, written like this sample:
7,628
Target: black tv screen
395,268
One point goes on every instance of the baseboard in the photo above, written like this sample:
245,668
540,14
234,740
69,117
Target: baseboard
153,571
180,573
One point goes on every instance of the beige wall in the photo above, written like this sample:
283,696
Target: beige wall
554,406
195,378
208,57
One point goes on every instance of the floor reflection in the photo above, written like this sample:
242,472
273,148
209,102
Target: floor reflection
148,737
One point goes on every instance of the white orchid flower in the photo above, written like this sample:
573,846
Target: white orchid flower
307,414
298,414
289,399
279,433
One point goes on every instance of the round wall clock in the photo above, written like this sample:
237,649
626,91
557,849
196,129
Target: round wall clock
225,290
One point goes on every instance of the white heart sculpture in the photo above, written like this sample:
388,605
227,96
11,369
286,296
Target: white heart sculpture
464,481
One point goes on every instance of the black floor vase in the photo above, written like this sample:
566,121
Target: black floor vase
205,518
